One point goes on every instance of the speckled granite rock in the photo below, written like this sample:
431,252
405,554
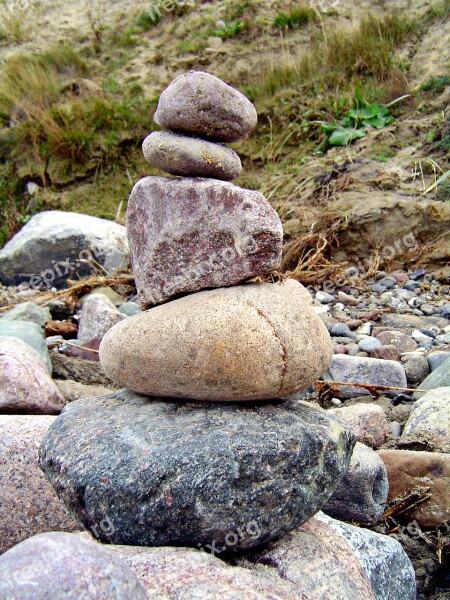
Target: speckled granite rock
192,157
28,503
362,494
189,234
408,471
25,385
184,573
201,104
170,473
61,566
30,333
386,564
317,560
97,316
430,419
250,342
359,369
368,421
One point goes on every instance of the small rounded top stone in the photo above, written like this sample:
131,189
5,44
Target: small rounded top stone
201,104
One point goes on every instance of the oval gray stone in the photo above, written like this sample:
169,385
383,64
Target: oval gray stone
249,342
62,566
201,104
362,494
192,157
217,476
429,419
189,234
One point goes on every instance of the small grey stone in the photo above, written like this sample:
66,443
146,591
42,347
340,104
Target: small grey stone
378,288
63,566
428,309
430,418
171,473
420,337
324,297
395,428
130,309
443,339
361,496
416,369
341,330
28,311
388,282
201,104
396,321
411,285
370,371
97,316
190,157
369,344
435,359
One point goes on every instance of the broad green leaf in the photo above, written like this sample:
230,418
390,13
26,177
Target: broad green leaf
342,136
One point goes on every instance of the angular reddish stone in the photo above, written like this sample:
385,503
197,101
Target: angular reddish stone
189,234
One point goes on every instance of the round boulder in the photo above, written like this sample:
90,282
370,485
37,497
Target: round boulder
249,342
219,477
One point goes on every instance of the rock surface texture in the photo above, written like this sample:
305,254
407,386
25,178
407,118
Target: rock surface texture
429,421
171,473
54,246
189,234
28,503
191,157
61,566
25,385
250,342
200,104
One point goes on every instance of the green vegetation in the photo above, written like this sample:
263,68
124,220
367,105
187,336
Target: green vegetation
295,18
436,84
148,19
355,122
228,29
59,126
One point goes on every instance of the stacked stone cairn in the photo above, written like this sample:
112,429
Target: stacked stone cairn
207,446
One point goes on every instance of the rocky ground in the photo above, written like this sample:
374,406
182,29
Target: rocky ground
390,333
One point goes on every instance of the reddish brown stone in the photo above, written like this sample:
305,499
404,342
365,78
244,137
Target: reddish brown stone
401,341
408,471
387,352
190,234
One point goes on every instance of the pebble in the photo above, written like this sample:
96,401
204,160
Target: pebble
395,428
25,384
368,421
418,274
130,309
401,341
416,369
435,359
369,344
27,311
347,299
341,330
324,297
30,333
429,419
387,282
420,337
361,495
411,285
97,316
190,157
364,370
386,352
200,104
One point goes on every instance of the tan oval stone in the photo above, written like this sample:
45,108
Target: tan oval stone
249,342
